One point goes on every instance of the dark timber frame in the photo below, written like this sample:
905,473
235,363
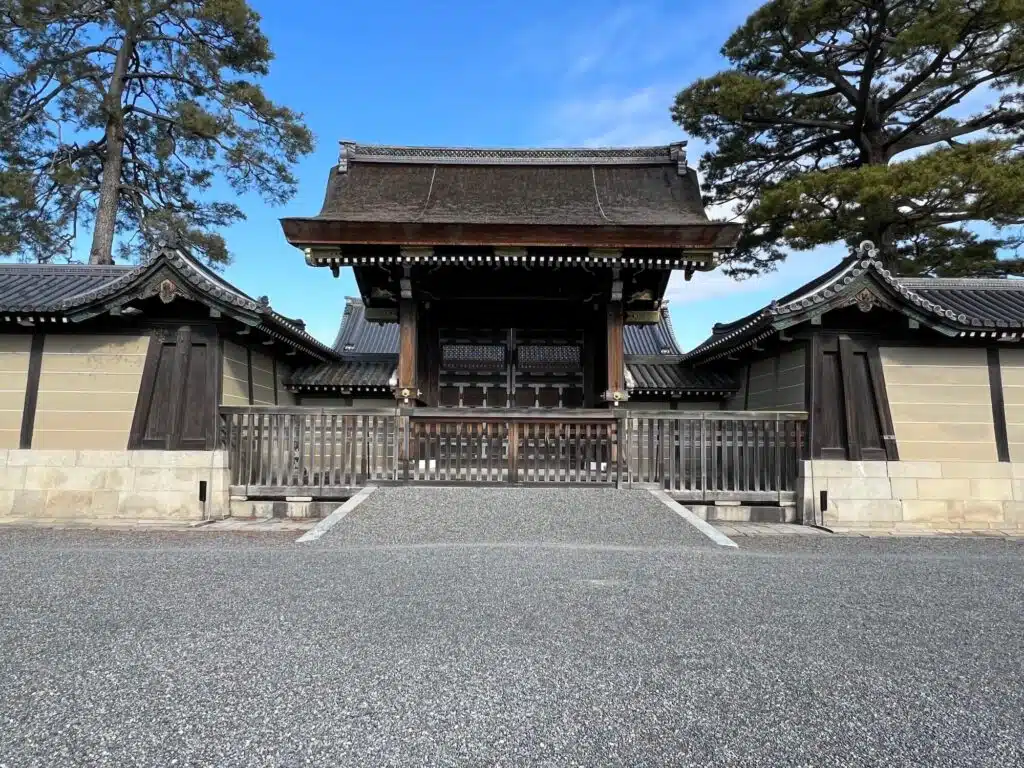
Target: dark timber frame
177,402
995,383
35,366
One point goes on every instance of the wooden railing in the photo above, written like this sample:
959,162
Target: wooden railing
718,455
327,452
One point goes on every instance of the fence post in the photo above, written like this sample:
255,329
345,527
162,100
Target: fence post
703,456
621,425
513,451
778,459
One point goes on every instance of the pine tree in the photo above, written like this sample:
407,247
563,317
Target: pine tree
898,121
121,114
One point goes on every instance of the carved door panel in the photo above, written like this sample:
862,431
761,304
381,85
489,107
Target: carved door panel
176,409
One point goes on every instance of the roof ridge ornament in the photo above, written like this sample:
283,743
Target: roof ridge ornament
677,152
346,152
867,250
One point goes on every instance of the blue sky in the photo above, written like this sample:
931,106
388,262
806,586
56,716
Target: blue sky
524,73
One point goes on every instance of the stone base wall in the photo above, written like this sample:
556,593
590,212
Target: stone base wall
908,495
113,484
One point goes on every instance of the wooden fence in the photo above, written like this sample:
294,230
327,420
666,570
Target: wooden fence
327,452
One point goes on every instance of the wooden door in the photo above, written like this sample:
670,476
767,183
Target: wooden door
849,408
176,409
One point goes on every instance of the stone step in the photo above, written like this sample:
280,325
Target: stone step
743,513
295,508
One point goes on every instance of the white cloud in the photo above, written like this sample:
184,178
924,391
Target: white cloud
797,269
615,117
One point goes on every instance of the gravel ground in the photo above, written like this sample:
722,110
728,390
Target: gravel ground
421,648
568,516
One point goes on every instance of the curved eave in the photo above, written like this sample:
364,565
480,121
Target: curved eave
842,290
173,275
313,232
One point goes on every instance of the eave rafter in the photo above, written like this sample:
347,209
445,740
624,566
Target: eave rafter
688,260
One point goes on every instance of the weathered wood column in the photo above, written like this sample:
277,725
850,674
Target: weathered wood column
407,391
616,392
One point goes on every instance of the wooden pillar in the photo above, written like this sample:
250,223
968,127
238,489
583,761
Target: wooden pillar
616,391
406,391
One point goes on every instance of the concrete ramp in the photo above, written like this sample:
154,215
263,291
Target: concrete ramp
480,515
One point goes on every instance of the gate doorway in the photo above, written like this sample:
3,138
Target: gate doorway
511,368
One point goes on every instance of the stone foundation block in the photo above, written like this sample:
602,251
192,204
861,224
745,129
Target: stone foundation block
859,511
12,478
993,490
3,457
925,512
903,487
944,489
6,502
29,504
78,478
163,505
101,458
180,480
1013,513
827,468
40,458
973,512
855,487
914,469
179,459
976,469
78,503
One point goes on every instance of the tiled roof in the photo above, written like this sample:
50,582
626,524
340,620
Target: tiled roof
350,374
660,376
997,301
76,292
657,339
40,287
359,339
980,307
631,186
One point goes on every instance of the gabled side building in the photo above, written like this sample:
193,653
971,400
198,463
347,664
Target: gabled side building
914,389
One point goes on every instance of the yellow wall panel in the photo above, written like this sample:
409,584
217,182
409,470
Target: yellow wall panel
14,354
1011,364
88,389
235,380
941,403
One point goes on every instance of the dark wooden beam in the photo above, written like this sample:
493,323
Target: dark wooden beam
616,391
273,372
313,232
995,383
846,363
35,367
407,338
882,403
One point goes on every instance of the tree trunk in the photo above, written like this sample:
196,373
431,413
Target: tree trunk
879,219
110,182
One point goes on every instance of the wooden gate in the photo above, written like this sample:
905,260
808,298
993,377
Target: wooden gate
501,447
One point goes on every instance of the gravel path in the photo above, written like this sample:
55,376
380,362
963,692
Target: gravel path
515,516
129,649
